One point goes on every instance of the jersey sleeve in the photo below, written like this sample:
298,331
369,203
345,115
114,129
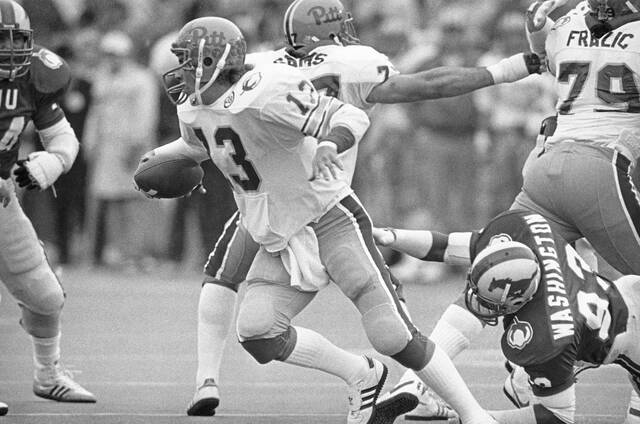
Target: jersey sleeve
193,143
51,77
552,376
373,68
294,102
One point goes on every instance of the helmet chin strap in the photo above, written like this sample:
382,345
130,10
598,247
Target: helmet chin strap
199,70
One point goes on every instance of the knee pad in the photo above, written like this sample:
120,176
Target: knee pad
256,320
386,330
417,353
38,290
276,348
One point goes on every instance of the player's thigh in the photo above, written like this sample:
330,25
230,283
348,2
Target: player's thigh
270,302
23,266
609,217
542,186
350,256
232,255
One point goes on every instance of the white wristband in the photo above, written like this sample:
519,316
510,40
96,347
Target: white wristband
510,69
328,143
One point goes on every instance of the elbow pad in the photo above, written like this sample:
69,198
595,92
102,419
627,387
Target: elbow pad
61,140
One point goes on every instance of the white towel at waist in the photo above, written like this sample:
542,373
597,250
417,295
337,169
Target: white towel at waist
301,259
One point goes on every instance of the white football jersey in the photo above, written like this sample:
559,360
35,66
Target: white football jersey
597,80
255,134
348,73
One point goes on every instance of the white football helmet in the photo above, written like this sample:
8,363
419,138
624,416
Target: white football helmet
503,277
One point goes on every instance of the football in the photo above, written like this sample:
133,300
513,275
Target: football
167,176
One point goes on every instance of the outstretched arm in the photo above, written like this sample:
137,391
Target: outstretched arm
448,81
453,248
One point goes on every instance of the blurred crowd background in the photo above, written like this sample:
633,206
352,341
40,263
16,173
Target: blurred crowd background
446,165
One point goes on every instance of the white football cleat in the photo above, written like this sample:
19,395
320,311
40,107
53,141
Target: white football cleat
56,383
431,408
206,400
516,386
364,394
4,408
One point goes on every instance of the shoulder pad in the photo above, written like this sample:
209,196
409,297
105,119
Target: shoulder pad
527,339
49,72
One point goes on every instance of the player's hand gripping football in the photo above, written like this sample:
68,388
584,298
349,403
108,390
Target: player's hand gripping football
6,191
325,161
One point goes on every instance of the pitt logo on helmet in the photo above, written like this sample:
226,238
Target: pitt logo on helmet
324,16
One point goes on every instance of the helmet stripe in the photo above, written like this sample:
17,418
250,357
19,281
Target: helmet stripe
288,21
7,14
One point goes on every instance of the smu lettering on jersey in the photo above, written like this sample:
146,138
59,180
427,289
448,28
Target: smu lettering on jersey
348,73
34,97
597,80
255,134
574,315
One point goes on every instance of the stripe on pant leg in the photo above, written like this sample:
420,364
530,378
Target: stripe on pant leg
364,229
220,253
627,192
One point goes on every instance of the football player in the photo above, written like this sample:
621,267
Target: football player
581,179
32,80
295,203
329,54
556,311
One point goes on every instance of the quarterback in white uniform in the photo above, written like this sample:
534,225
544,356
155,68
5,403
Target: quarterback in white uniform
294,203
357,75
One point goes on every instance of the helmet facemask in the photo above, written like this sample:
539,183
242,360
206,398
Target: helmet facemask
205,48
16,52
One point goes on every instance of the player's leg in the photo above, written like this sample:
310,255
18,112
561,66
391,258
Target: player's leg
265,331
225,269
29,278
354,263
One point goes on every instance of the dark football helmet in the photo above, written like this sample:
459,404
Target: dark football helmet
504,276
204,47
310,21
16,40
609,9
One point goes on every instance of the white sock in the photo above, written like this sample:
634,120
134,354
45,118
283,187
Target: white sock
216,310
454,330
441,376
515,416
46,351
312,350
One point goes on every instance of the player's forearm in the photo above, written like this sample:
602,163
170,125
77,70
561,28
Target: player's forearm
436,83
61,140
433,246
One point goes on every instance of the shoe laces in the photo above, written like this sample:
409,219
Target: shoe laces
355,397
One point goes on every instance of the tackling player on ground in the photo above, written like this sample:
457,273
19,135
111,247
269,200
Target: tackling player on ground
32,79
557,312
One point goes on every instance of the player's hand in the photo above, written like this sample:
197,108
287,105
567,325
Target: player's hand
325,162
7,188
542,11
383,236
39,171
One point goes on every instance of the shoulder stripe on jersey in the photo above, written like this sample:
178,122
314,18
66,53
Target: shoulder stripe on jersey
7,14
